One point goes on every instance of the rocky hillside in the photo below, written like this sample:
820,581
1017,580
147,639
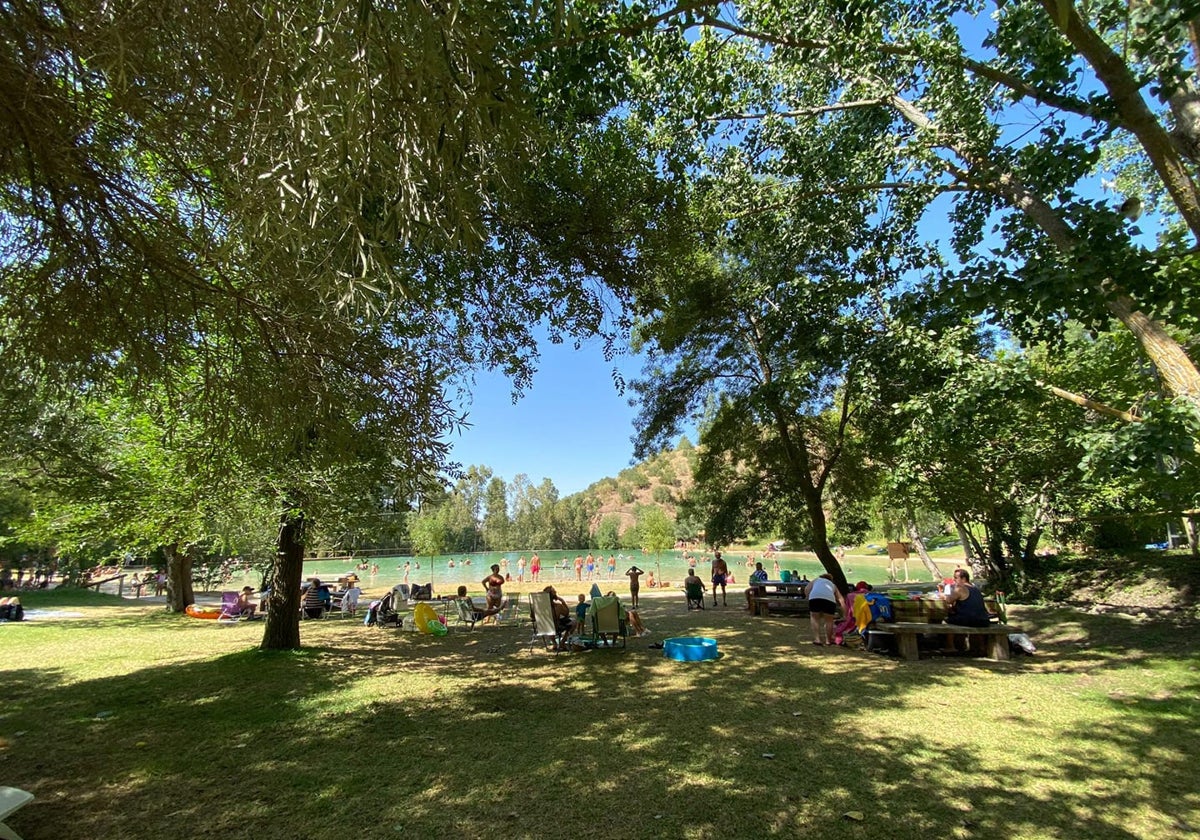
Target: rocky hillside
662,480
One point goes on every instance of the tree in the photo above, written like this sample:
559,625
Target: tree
655,530
353,207
496,522
765,334
608,533
762,88
428,531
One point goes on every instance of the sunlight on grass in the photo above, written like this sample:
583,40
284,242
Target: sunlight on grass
130,723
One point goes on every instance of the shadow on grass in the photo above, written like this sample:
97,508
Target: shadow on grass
407,735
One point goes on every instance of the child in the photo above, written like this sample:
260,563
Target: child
581,613
350,598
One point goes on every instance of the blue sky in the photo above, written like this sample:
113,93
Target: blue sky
571,427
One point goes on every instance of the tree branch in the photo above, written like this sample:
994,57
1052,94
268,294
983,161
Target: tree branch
803,112
1087,402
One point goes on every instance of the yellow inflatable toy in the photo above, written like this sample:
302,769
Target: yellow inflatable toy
422,615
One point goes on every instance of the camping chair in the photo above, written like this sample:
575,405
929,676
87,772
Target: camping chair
607,621
230,611
316,602
511,610
545,627
400,594
11,800
464,613
695,595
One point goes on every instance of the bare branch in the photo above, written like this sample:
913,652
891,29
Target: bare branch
803,112
1087,402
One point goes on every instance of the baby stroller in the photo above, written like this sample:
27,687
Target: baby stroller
383,612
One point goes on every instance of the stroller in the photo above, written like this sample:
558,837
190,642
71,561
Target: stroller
383,612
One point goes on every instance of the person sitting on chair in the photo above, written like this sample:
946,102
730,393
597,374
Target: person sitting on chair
243,602
316,599
694,588
480,613
562,612
757,578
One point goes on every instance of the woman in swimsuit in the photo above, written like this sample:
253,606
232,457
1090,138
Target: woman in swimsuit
492,586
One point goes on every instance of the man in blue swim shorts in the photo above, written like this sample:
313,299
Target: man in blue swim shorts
720,573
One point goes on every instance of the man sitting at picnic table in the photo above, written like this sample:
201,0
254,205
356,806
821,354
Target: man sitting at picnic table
965,603
757,578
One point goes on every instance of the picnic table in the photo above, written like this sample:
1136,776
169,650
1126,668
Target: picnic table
780,597
924,616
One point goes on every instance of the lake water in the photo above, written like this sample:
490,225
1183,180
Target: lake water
446,572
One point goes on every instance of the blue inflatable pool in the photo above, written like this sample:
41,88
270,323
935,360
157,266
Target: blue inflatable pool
690,648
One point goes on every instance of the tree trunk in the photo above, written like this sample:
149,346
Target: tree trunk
282,631
179,578
914,537
800,468
1190,530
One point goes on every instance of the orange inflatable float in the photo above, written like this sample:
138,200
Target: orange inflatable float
203,612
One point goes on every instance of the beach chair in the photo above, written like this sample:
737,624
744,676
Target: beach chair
695,595
230,611
464,613
607,623
545,627
400,594
512,609
11,800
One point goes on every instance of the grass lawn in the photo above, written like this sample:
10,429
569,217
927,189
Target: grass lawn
127,722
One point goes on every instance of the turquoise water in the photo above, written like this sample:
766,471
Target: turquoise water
668,565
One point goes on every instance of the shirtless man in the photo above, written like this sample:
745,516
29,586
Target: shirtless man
720,572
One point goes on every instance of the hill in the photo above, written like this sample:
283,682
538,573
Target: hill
662,480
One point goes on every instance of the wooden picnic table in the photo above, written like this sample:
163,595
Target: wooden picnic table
779,596
906,633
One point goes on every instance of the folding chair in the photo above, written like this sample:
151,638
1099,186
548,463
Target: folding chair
695,595
464,613
512,609
607,625
230,611
545,626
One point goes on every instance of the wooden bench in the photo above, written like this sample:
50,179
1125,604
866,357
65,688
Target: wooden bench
768,604
906,632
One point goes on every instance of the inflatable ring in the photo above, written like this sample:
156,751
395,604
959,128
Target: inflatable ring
202,612
423,613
